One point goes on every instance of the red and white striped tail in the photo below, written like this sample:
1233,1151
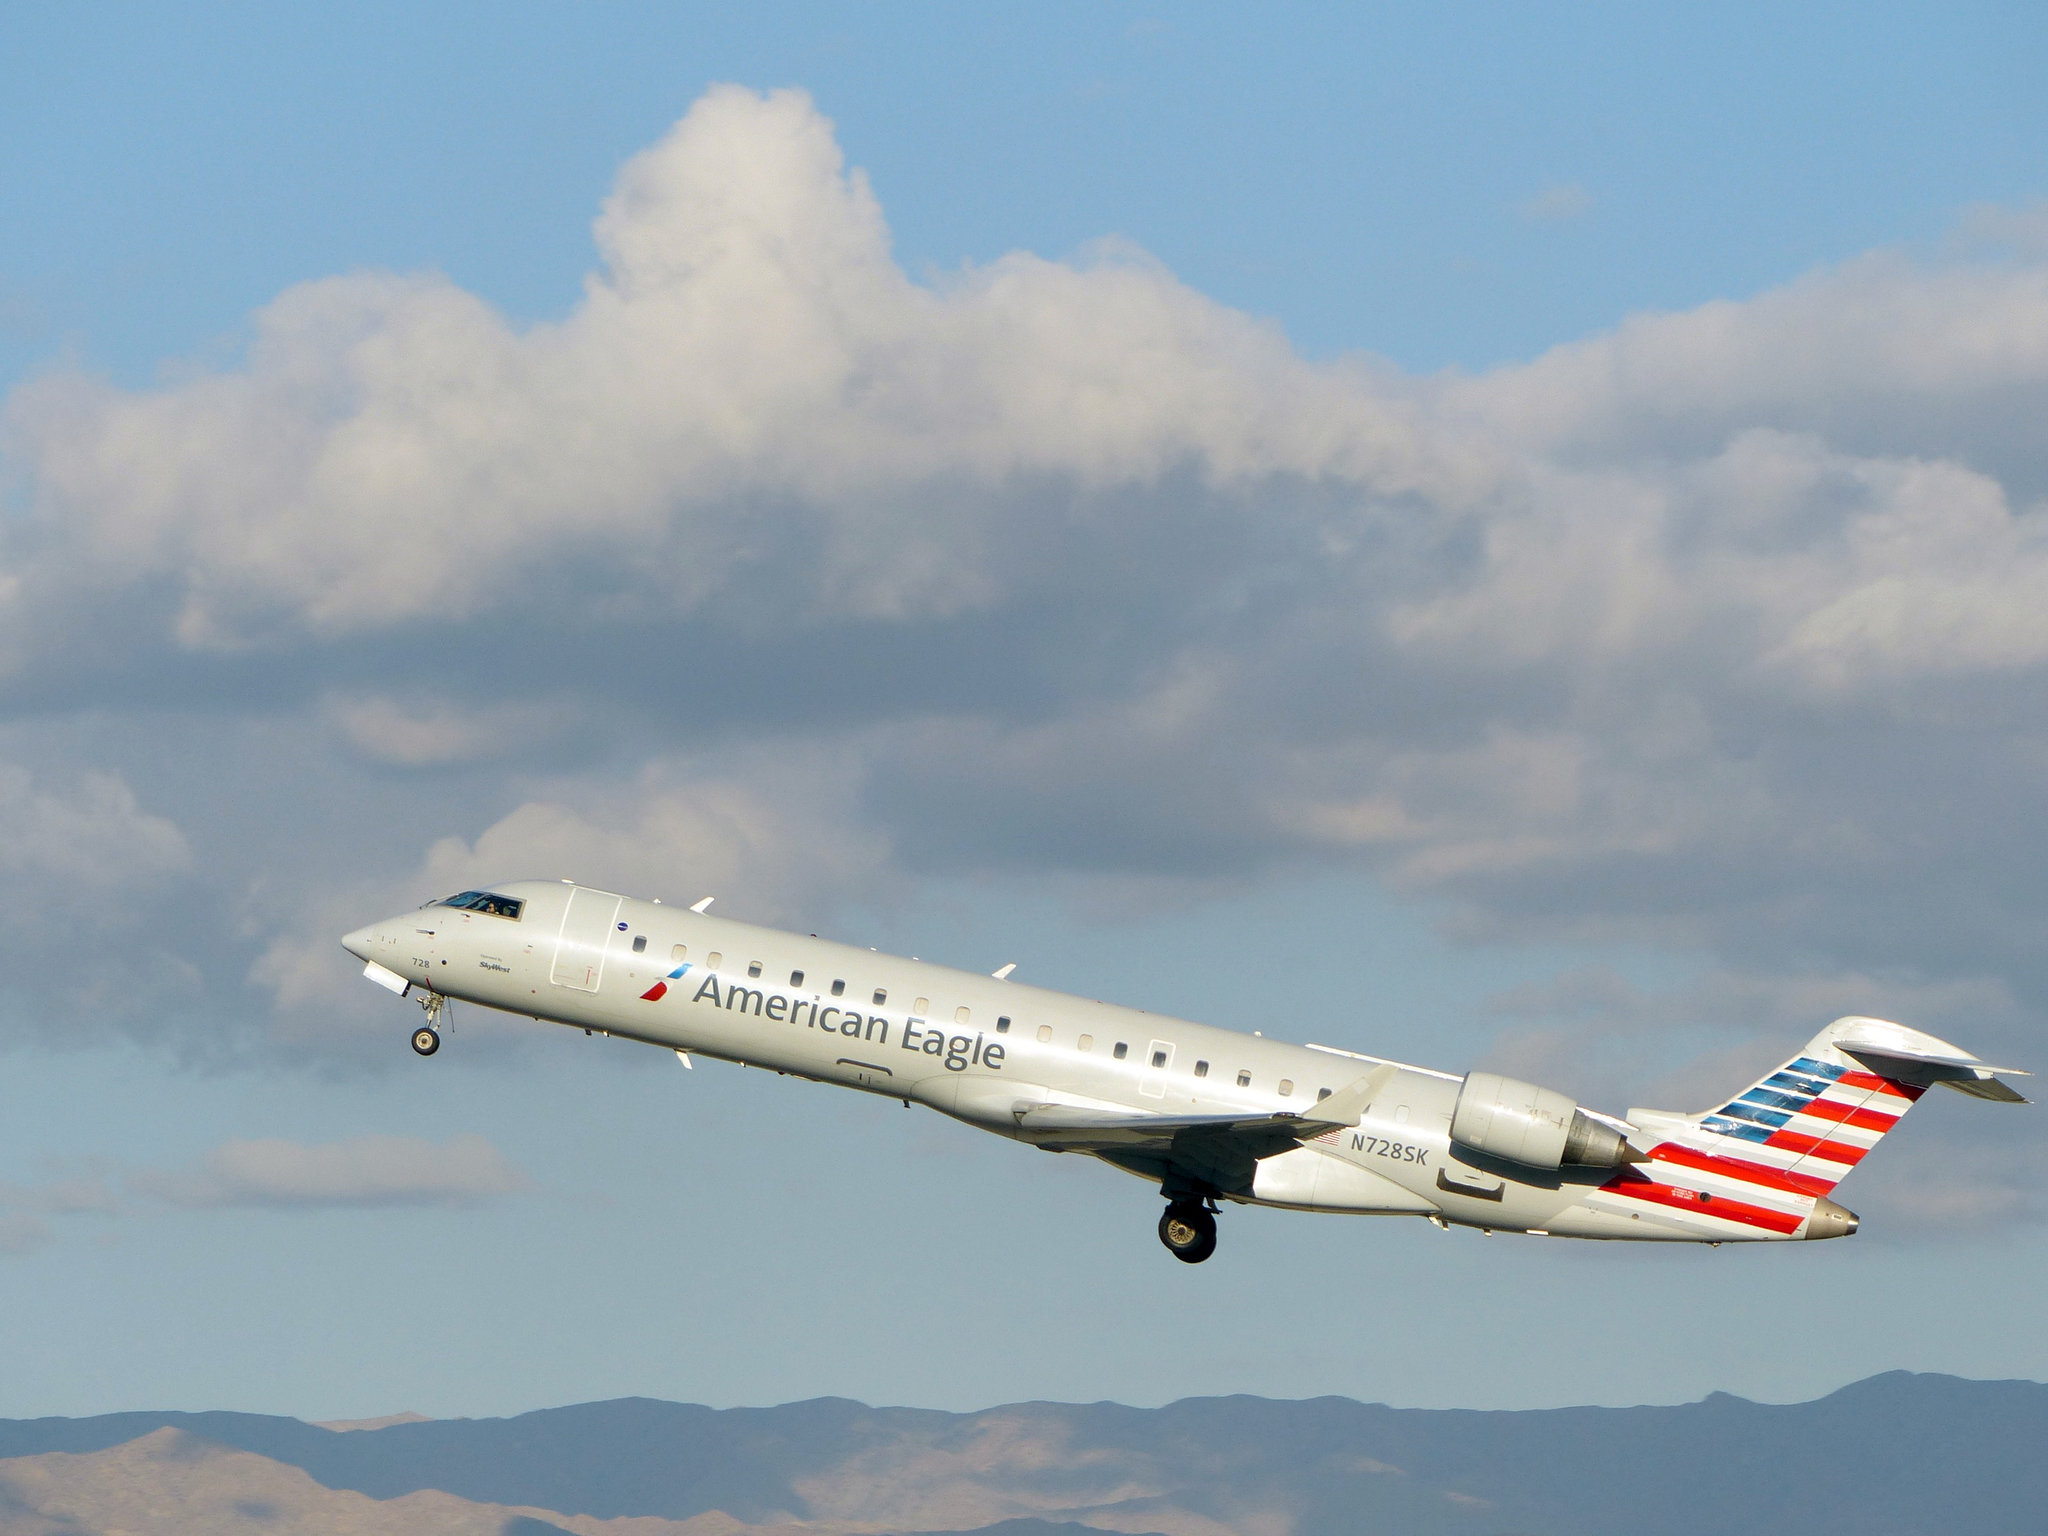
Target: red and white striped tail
1762,1164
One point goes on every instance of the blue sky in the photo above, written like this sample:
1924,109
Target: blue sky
1490,535
1357,172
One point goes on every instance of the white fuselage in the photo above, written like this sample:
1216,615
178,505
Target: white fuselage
981,1050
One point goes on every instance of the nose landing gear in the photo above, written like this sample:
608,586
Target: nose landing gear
427,1038
1189,1230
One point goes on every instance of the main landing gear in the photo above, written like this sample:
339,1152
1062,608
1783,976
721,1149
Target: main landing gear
1189,1230
427,1039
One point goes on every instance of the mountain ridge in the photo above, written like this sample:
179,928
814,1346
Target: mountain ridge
1194,1467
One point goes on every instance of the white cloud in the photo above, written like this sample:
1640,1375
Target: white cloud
433,733
363,1171
1719,630
88,876
394,450
92,836
1880,356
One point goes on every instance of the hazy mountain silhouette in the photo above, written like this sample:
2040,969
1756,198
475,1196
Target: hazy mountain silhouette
1891,1456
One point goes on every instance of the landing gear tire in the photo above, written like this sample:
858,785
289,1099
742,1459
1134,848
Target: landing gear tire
1188,1231
426,1041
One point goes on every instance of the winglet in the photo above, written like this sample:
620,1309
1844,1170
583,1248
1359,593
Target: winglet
699,906
1004,973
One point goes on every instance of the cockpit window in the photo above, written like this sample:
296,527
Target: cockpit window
485,901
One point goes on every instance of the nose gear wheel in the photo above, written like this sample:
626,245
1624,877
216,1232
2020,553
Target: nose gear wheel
427,1038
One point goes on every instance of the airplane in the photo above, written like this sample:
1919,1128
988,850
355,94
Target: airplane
1208,1115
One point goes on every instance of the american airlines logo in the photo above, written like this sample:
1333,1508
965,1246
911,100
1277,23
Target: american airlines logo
659,990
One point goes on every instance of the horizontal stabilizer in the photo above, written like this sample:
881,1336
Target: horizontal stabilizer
1987,1088
1911,1063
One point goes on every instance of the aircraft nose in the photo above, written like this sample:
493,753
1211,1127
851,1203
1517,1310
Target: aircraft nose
359,943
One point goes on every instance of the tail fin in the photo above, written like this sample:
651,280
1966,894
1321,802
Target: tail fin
1787,1140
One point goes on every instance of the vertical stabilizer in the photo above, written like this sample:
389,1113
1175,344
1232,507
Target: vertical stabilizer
1767,1159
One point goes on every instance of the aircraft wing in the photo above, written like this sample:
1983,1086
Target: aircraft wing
1236,1136
1080,1130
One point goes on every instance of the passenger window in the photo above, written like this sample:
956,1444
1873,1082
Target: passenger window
1322,1094
711,960
1086,1042
754,968
796,978
679,951
839,988
1201,1069
639,943
1244,1079
1286,1087
1121,1051
960,1015
1159,1058
881,996
1044,1033
1003,1025
924,1006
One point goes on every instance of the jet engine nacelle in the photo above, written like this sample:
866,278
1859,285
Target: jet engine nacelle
1536,1127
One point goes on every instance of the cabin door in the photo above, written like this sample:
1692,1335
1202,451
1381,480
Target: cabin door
586,935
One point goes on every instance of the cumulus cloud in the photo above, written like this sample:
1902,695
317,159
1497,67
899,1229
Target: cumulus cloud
90,836
363,1171
749,376
85,870
768,564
